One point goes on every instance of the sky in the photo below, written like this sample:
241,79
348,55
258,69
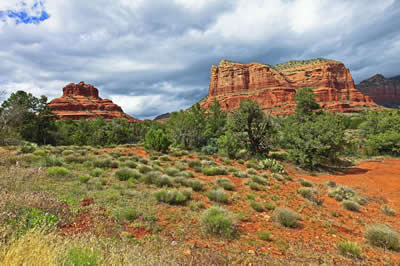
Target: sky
154,56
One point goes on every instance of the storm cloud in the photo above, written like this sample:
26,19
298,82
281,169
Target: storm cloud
155,56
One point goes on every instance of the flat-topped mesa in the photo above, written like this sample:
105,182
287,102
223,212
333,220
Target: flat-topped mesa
82,101
274,87
384,91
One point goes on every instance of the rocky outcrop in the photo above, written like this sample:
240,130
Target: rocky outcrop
162,117
83,101
274,87
384,91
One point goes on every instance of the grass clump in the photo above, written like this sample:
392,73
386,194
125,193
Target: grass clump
96,172
269,206
351,205
52,160
218,195
258,207
130,214
84,179
172,196
81,256
194,163
264,235
255,186
211,171
58,171
259,180
348,248
387,210
125,174
241,174
144,169
195,184
218,221
306,183
225,183
172,171
382,236
286,217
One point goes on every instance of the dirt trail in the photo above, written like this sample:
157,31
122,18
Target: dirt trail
380,179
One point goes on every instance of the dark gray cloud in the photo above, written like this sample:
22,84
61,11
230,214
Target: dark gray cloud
153,57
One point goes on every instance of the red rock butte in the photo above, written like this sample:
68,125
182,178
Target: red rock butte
83,101
273,87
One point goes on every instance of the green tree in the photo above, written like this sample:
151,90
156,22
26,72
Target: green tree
156,139
306,104
253,128
216,120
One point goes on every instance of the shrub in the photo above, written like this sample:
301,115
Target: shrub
75,159
214,171
51,160
251,172
131,164
254,186
286,217
186,174
79,256
125,174
259,180
84,179
256,206
40,152
382,236
241,174
164,181
130,214
198,169
273,165
225,183
342,193
388,211
102,163
67,152
218,195
195,184
165,158
306,183
180,166
306,192
157,139
144,161
228,144
218,221
144,169
269,206
347,248
253,164
351,205
194,163
172,171
58,171
172,196
331,183
264,235
96,172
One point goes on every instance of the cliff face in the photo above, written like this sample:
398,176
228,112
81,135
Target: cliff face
83,101
383,91
274,87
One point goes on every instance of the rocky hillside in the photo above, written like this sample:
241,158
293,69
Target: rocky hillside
83,101
384,91
274,87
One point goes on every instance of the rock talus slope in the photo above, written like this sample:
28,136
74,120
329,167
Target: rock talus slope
274,87
82,101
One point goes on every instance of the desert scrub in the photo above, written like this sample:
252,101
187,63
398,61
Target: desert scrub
258,207
164,181
225,183
194,163
218,195
195,184
255,186
259,180
211,171
351,205
130,164
58,171
173,196
81,256
286,217
180,166
218,221
348,248
273,165
253,164
269,206
241,174
342,193
84,179
96,172
144,169
52,160
387,210
383,236
125,174
130,214
102,163
172,171
307,193
165,158
306,183
151,177
264,235
186,174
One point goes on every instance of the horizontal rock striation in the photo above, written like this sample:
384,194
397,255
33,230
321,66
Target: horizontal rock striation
384,91
274,87
83,101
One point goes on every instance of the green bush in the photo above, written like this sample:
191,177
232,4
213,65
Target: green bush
172,196
164,181
80,256
172,171
273,165
130,164
218,195
251,172
256,206
194,163
51,160
269,206
40,152
218,221
102,163
130,214
96,172
29,147
228,144
195,184
307,193
306,183
241,174
125,174
255,186
259,180
225,183
157,139
351,205
383,236
84,179
214,171
286,217
253,164
264,235
151,177
145,169
58,171
348,248
342,193
387,210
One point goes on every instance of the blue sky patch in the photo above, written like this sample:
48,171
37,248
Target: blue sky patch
26,15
